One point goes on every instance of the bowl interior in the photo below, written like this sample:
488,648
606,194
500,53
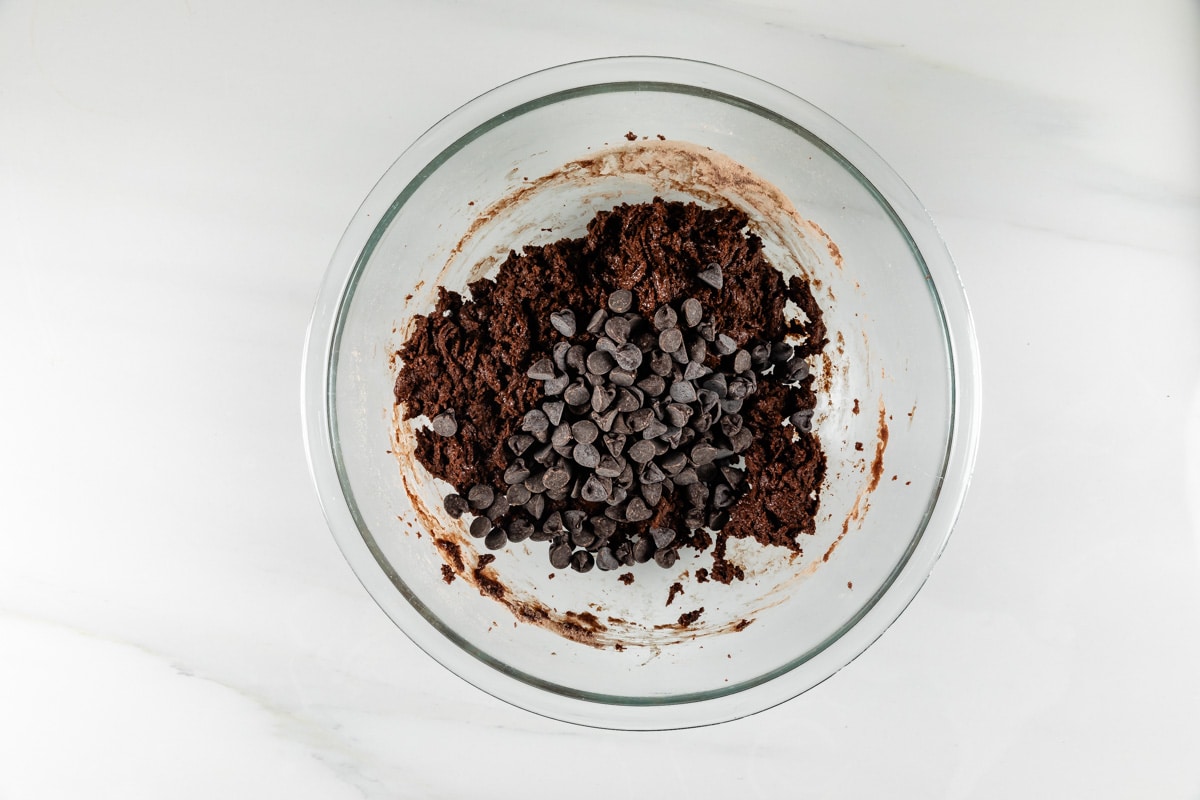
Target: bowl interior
539,172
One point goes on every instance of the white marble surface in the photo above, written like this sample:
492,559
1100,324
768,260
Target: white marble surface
175,620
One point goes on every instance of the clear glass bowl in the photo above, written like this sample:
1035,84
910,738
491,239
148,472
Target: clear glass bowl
531,162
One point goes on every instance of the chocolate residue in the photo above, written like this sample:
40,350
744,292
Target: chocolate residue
676,589
447,573
452,552
880,446
687,618
862,501
631,136
487,584
625,578
742,624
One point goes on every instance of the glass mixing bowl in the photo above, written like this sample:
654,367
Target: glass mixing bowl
898,416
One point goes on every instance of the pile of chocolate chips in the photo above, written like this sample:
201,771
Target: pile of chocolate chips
503,374
631,412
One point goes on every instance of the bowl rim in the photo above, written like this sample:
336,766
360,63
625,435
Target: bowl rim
536,90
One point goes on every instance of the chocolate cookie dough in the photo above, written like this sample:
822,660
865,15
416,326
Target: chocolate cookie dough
535,385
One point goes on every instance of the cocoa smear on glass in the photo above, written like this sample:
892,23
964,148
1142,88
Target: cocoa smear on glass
471,355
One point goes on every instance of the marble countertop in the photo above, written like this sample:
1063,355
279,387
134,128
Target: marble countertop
175,619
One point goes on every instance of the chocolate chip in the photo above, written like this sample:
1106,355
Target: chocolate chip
661,364
741,361
725,345
683,392
686,476
496,539
557,477
695,518
617,329
456,505
621,425
796,369
535,421
518,495
712,275
731,405
594,490
673,462
697,494
586,455
602,398
670,340
641,451
652,493
643,550
542,370
561,435
741,440
560,556
584,431
518,443
662,537
604,421
722,496
622,377
517,472
677,414
652,385
605,559
666,558
583,537
620,301
706,330
576,358
596,323
636,510
627,401
544,455
693,312
609,467
638,420
444,423
697,350
559,354
664,317
802,420
573,520
703,453
615,442
480,526
760,355
563,321
599,362
519,529
582,561
480,496
628,356
717,520
781,352
553,409
717,384
655,429
498,508
535,505
576,394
